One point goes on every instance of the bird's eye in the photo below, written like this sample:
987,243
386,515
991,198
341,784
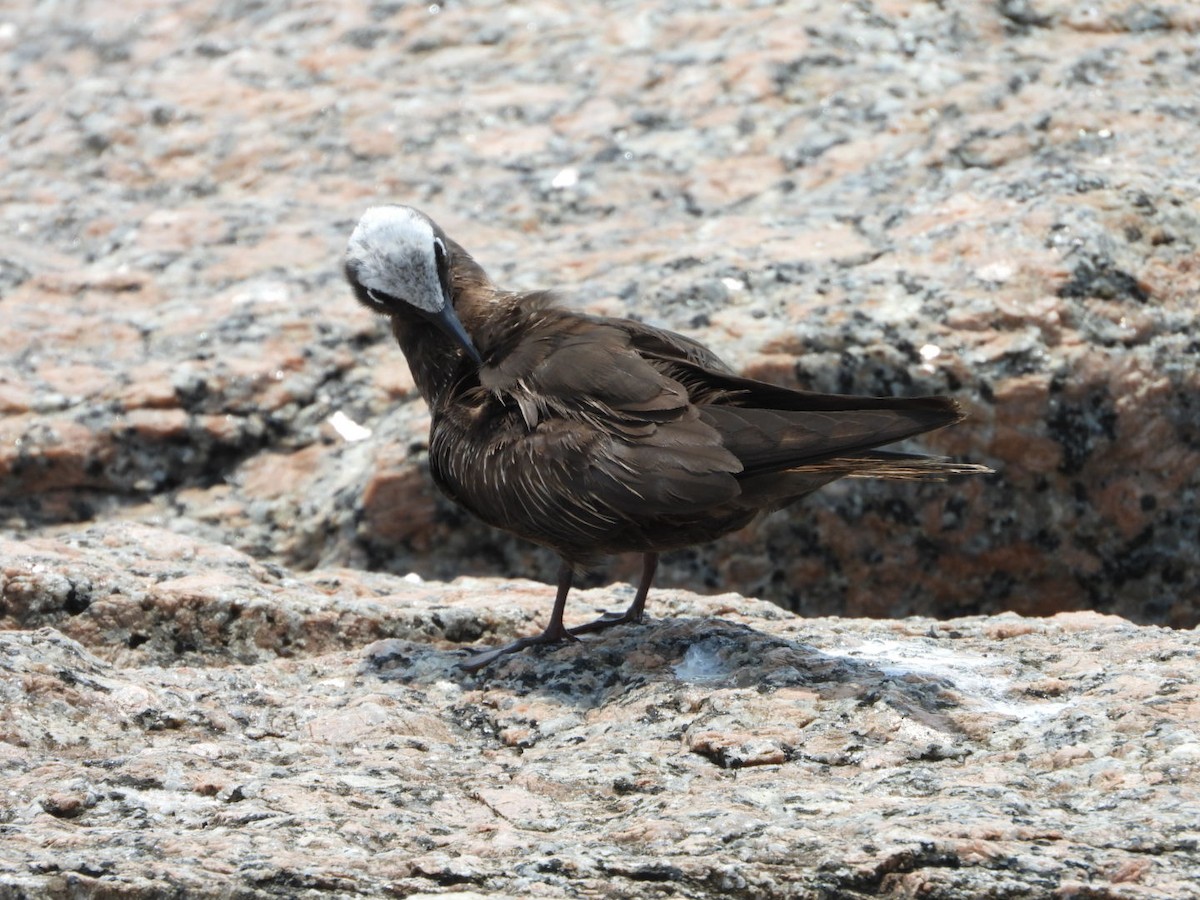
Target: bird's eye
442,260
382,302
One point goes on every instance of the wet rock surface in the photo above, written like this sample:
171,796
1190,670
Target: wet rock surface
211,459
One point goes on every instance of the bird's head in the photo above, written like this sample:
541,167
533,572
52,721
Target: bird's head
398,262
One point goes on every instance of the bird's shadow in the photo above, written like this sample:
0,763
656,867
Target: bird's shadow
705,652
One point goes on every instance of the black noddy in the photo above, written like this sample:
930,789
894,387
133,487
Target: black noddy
593,435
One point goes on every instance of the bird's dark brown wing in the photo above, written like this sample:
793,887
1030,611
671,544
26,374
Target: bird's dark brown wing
662,345
770,440
573,438
769,427
710,381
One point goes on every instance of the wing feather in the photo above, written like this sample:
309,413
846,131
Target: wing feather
589,434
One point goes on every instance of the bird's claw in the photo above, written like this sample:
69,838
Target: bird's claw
478,661
607,620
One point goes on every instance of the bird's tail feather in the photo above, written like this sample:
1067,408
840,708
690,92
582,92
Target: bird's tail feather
908,467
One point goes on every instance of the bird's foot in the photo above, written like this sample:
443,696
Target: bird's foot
549,636
608,620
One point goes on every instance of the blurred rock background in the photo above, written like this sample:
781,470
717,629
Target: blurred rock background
992,200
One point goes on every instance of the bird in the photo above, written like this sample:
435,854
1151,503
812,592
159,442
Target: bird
594,435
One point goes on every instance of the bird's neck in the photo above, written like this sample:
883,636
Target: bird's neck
436,362
493,319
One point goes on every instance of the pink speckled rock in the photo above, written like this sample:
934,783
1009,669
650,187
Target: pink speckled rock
220,726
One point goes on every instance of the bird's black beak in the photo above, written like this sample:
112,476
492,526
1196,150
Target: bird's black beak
449,323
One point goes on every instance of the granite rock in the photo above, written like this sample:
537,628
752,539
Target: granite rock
726,748
990,200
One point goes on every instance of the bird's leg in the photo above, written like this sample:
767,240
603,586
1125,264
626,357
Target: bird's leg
636,608
555,631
